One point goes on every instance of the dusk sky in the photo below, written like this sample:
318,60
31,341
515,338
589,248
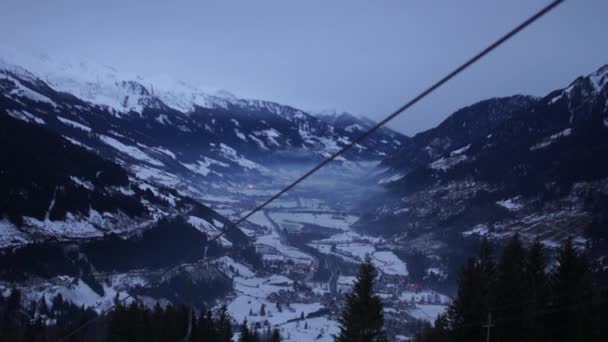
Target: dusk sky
366,57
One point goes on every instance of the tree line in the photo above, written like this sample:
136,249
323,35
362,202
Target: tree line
520,296
58,320
523,297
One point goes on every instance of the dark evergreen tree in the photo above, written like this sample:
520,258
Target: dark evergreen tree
572,295
537,292
487,268
511,292
466,313
223,326
245,334
560,306
362,319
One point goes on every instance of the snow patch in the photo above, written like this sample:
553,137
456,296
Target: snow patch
21,90
83,183
25,116
510,204
388,263
74,124
270,134
391,179
131,151
548,141
231,154
480,229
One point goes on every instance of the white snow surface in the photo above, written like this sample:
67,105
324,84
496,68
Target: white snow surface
318,219
511,204
131,151
427,312
389,263
155,175
231,154
599,78
273,241
74,124
390,179
203,225
549,140
10,235
260,219
25,116
77,292
22,91
121,92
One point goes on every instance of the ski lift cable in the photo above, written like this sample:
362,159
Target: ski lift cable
500,41
399,111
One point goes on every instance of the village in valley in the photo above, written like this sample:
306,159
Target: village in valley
310,254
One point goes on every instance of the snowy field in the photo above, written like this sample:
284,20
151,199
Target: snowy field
260,219
427,312
324,220
388,263
353,247
76,291
251,295
273,241
425,295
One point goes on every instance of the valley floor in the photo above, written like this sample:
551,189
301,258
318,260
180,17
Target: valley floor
311,253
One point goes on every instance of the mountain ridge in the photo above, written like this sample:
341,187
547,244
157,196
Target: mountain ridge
540,170
216,139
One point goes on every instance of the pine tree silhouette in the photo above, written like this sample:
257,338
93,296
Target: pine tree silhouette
511,291
572,289
362,319
537,291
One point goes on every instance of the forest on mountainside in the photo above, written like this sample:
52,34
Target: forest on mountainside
524,296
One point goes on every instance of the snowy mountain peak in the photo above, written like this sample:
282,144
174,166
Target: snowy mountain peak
106,86
581,89
334,115
222,93
599,78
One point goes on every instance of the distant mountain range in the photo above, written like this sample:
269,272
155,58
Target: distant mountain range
175,134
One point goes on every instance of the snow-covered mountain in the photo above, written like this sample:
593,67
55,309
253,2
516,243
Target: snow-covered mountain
172,133
57,191
74,223
533,166
358,124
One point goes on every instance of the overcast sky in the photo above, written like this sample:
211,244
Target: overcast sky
366,57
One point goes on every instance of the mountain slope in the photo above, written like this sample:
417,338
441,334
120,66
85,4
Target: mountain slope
74,223
460,129
384,139
55,189
536,167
